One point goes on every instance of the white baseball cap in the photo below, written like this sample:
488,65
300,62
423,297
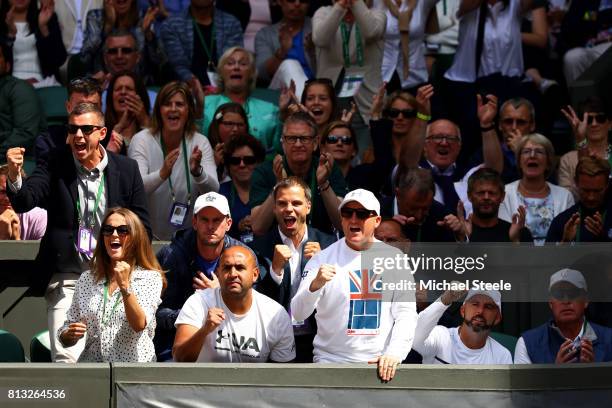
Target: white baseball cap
494,295
214,200
364,197
568,275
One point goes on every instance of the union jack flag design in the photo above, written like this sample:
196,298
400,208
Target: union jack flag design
365,303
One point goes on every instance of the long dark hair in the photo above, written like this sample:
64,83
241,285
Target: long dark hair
31,17
213,128
111,118
138,250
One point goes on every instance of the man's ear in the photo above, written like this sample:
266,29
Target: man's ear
103,133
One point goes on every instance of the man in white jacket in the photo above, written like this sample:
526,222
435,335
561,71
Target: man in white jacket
469,343
354,324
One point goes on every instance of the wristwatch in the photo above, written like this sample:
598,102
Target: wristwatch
126,292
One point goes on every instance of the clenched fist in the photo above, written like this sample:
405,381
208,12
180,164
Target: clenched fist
325,274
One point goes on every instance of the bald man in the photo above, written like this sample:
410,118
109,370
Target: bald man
233,323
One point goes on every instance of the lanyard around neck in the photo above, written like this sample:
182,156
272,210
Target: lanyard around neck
207,49
184,144
346,37
82,218
104,322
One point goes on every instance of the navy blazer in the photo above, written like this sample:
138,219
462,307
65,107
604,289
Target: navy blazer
265,246
54,187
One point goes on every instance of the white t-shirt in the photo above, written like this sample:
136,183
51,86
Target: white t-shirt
262,334
442,345
354,324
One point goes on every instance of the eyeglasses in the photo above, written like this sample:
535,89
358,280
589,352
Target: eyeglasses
247,160
230,124
394,113
514,122
85,129
601,118
533,152
567,293
122,230
361,213
333,139
443,138
301,139
115,50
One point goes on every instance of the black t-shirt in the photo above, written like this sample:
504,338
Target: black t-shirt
200,59
497,233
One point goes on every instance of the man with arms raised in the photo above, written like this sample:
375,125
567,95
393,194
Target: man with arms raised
233,323
290,245
190,261
353,323
76,188
469,343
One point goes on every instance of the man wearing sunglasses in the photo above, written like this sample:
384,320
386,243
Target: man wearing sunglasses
321,174
290,246
76,187
354,324
568,337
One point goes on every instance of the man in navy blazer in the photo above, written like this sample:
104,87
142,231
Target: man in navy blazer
289,246
77,185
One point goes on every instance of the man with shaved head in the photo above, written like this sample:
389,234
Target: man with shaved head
232,322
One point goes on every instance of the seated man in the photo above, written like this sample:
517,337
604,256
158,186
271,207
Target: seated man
190,261
422,217
290,245
196,38
469,343
486,192
284,50
568,337
14,226
21,114
586,220
354,324
233,323
390,231
321,174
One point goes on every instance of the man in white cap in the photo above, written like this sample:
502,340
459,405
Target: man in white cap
353,323
568,337
190,261
469,343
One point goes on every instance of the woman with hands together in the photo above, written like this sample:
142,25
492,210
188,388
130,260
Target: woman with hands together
176,162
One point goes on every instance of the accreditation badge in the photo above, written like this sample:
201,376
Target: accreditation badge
178,213
350,85
84,241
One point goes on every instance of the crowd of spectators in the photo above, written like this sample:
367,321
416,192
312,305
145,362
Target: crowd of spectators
396,121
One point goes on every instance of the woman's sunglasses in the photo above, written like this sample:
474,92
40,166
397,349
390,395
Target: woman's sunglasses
122,230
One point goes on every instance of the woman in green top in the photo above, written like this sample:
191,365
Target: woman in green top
237,76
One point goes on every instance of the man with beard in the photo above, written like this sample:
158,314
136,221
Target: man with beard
232,322
290,245
191,259
486,192
469,343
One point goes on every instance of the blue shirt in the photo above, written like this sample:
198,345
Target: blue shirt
205,266
297,53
